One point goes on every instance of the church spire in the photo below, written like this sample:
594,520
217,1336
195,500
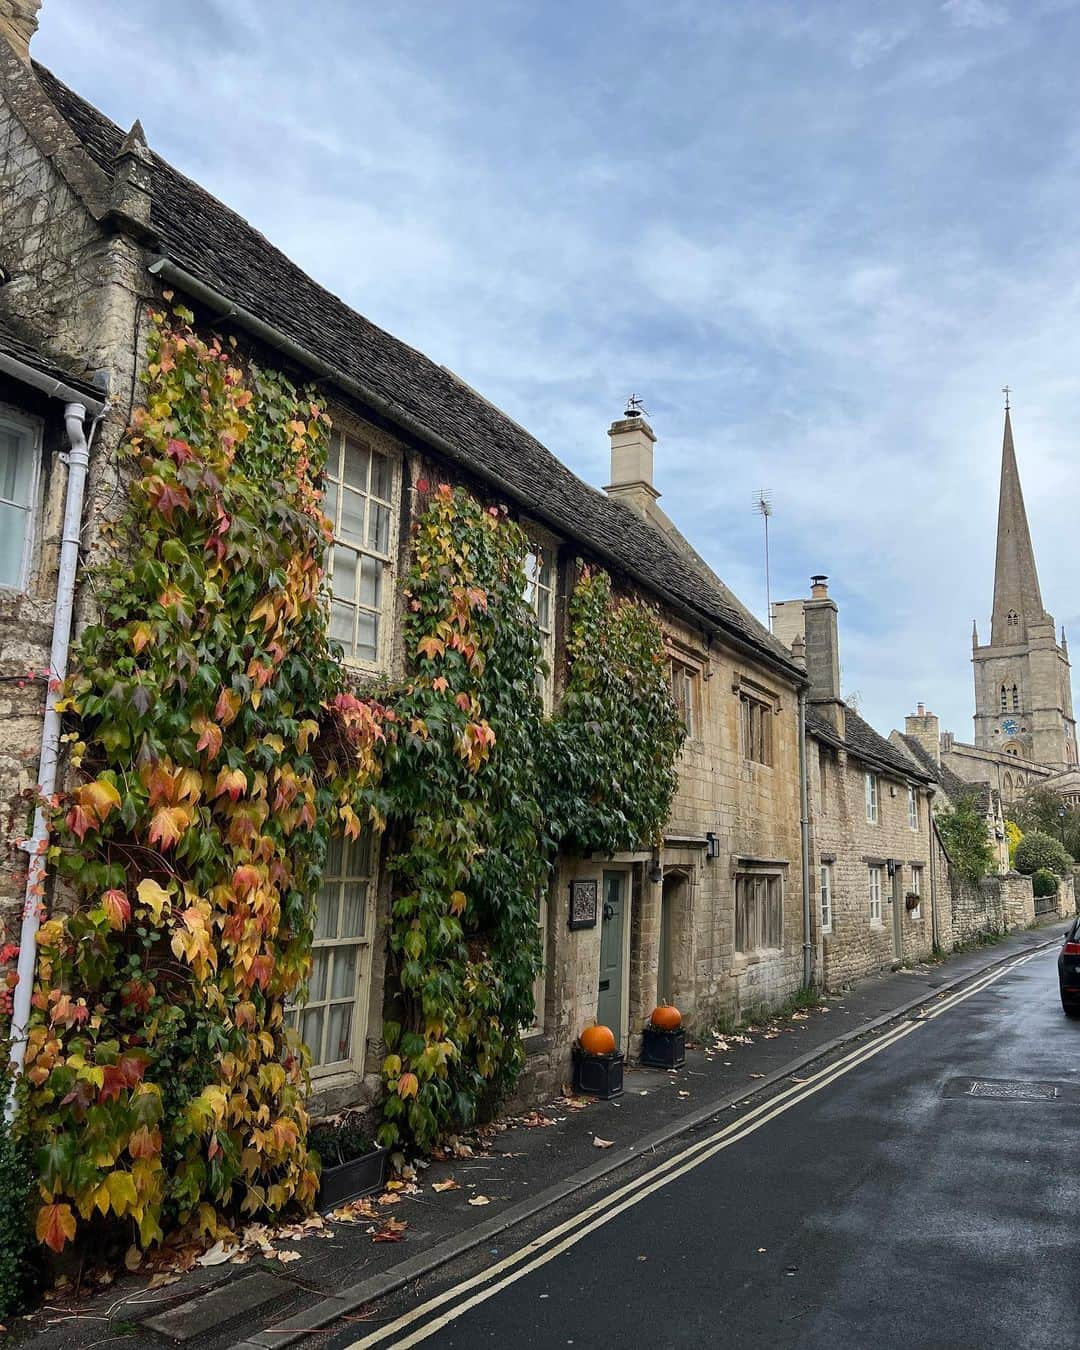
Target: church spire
1017,598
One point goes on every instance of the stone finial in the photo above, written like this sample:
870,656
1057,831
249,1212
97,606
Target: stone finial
18,24
133,184
798,650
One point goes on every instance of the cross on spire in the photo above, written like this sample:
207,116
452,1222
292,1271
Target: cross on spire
1006,391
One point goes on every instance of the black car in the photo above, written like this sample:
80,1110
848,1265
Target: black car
1069,970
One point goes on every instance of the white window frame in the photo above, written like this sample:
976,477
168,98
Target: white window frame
772,885
540,580
916,888
33,428
872,798
536,1026
913,809
825,896
874,872
336,486
360,993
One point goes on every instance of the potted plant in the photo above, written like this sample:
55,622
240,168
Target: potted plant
913,900
663,1042
351,1165
598,1066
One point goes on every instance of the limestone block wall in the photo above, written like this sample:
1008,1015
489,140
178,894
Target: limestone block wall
754,810
1017,899
844,839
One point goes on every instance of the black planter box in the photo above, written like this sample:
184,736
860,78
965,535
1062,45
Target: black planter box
663,1049
349,1181
598,1075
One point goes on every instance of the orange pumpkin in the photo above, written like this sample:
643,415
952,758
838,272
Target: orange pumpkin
666,1018
597,1040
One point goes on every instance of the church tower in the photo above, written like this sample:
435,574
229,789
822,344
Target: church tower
1023,690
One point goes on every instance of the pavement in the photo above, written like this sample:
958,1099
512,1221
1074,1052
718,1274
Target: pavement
547,1167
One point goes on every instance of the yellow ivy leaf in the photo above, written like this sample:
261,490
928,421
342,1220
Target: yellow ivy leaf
153,896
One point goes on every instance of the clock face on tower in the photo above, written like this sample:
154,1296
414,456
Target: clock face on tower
1010,726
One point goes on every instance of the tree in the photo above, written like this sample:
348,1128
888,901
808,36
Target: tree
1043,810
963,833
1037,852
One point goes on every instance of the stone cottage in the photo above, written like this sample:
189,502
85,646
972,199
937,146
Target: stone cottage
94,228
870,817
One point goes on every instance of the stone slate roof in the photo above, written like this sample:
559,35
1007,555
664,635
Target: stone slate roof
201,235
862,741
26,350
956,788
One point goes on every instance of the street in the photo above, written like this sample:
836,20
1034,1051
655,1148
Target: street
918,1190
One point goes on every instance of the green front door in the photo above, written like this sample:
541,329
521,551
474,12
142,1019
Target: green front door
609,1001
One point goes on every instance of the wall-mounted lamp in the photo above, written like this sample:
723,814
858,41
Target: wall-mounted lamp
656,872
712,844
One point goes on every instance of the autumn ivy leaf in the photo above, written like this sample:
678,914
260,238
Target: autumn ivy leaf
167,825
117,909
153,896
231,783
210,736
55,1226
430,647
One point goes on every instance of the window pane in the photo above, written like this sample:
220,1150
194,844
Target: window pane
352,516
326,917
371,572
354,910
330,501
367,641
378,527
344,978
357,459
317,983
543,609
16,465
342,618
359,855
333,856
311,1023
343,578
381,477
339,1037
14,523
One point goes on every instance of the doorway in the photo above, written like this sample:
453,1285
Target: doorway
611,998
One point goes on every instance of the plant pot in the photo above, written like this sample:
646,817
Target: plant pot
598,1075
348,1181
663,1049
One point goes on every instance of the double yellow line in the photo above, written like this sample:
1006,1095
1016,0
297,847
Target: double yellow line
487,1283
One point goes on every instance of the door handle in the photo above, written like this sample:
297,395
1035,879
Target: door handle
609,911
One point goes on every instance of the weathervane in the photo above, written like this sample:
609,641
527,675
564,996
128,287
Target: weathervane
1006,391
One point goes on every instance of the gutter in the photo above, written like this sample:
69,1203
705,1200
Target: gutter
50,386
224,308
78,462
804,840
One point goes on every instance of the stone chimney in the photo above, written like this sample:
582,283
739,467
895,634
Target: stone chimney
18,24
632,441
923,727
823,652
788,622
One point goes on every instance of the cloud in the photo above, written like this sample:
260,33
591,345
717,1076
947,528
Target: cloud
817,246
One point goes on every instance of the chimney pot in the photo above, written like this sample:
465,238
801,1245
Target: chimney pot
920,710
819,587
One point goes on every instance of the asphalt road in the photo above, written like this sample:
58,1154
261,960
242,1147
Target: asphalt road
879,1203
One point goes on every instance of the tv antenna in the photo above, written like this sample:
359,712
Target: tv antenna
764,508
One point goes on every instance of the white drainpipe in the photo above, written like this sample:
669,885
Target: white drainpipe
78,461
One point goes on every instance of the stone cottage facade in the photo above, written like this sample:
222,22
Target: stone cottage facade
870,808
94,228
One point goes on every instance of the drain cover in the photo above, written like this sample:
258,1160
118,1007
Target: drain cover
1007,1090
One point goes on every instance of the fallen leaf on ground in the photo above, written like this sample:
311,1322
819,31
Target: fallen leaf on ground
761,1249
393,1230
684,1094
757,1075
286,1257
479,1200
602,1143
133,1258
390,1198
448,1185
216,1255
161,1279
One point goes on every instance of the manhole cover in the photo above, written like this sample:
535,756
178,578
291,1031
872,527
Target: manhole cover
1007,1090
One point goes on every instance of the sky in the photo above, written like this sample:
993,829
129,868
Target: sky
816,238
